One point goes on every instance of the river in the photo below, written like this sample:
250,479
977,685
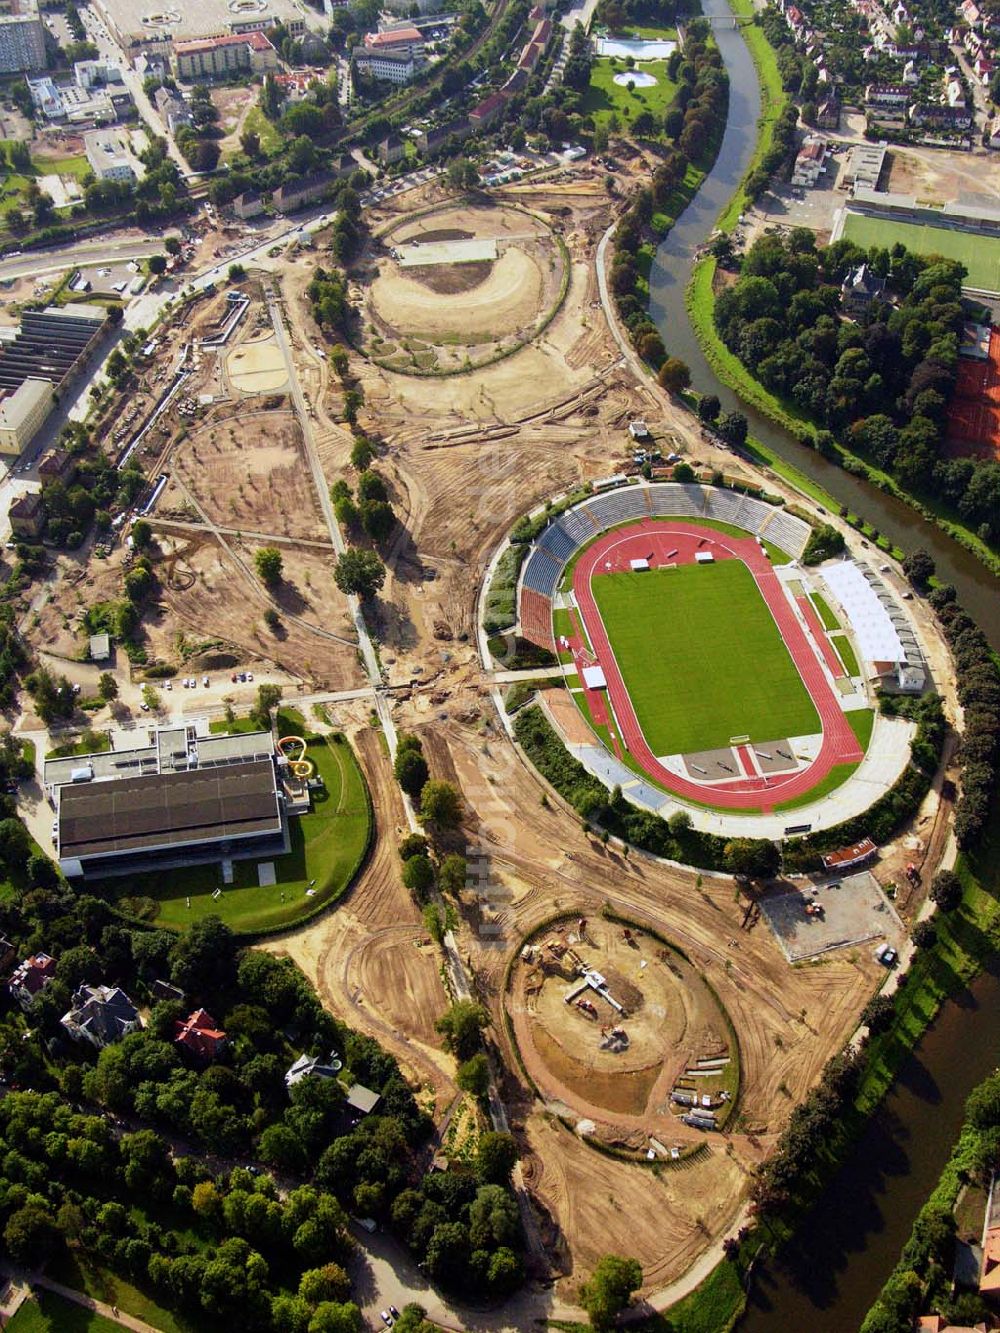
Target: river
978,589
846,1248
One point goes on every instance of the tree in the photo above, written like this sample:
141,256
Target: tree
157,264
495,1157
268,698
608,1291
414,844
918,567
411,772
474,1075
453,873
359,573
441,804
674,375
31,1235
679,823
461,1027
141,534
362,454
878,1013
418,875
732,428
684,472
336,1317
708,407
946,890
329,1283
924,935
757,858
107,686
269,565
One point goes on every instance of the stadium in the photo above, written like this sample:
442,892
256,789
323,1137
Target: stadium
710,669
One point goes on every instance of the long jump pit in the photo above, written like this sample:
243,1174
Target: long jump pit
257,366
460,287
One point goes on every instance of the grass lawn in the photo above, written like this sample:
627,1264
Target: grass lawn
81,1272
96,742
979,254
604,96
238,725
270,136
673,632
76,165
846,653
861,722
51,1314
327,846
824,611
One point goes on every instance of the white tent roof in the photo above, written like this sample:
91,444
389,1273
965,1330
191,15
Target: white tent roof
875,632
593,678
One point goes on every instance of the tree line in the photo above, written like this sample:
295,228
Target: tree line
883,379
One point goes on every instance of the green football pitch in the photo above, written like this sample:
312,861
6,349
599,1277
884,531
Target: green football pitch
979,254
702,658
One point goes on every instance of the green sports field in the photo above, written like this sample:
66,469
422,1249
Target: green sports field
702,658
979,254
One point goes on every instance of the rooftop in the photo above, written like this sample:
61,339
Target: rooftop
141,23
169,809
163,750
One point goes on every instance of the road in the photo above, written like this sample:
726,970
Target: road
109,50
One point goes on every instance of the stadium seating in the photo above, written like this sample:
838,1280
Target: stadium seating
617,506
677,498
541,573
536,618
557,541
576,523
787,531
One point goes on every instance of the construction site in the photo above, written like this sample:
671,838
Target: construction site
612,1022
674,997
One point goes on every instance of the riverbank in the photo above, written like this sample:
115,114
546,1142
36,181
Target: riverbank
921,1282
773,99
700,301
967,940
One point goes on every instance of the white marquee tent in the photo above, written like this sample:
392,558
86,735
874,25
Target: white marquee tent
875,632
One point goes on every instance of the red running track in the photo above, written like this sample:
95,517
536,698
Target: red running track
660,544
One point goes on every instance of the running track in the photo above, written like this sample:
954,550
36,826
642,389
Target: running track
661,544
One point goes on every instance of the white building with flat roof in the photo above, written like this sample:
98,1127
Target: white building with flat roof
110,155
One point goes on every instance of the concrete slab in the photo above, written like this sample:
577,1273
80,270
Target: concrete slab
854,910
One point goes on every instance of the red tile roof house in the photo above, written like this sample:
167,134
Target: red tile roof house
200,1035
31,977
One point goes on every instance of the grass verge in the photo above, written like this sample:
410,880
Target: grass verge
846,654
328,846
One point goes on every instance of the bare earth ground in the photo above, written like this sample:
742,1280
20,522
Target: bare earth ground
463,457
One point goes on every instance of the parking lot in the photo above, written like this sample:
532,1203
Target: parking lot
852,910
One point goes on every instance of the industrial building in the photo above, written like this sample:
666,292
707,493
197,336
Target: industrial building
22,39
48,349
178,798
142,29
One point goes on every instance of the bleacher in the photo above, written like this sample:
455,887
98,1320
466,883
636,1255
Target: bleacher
541,573
536,618
558,542
722,506
677,498
788,532
576,523
618,506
